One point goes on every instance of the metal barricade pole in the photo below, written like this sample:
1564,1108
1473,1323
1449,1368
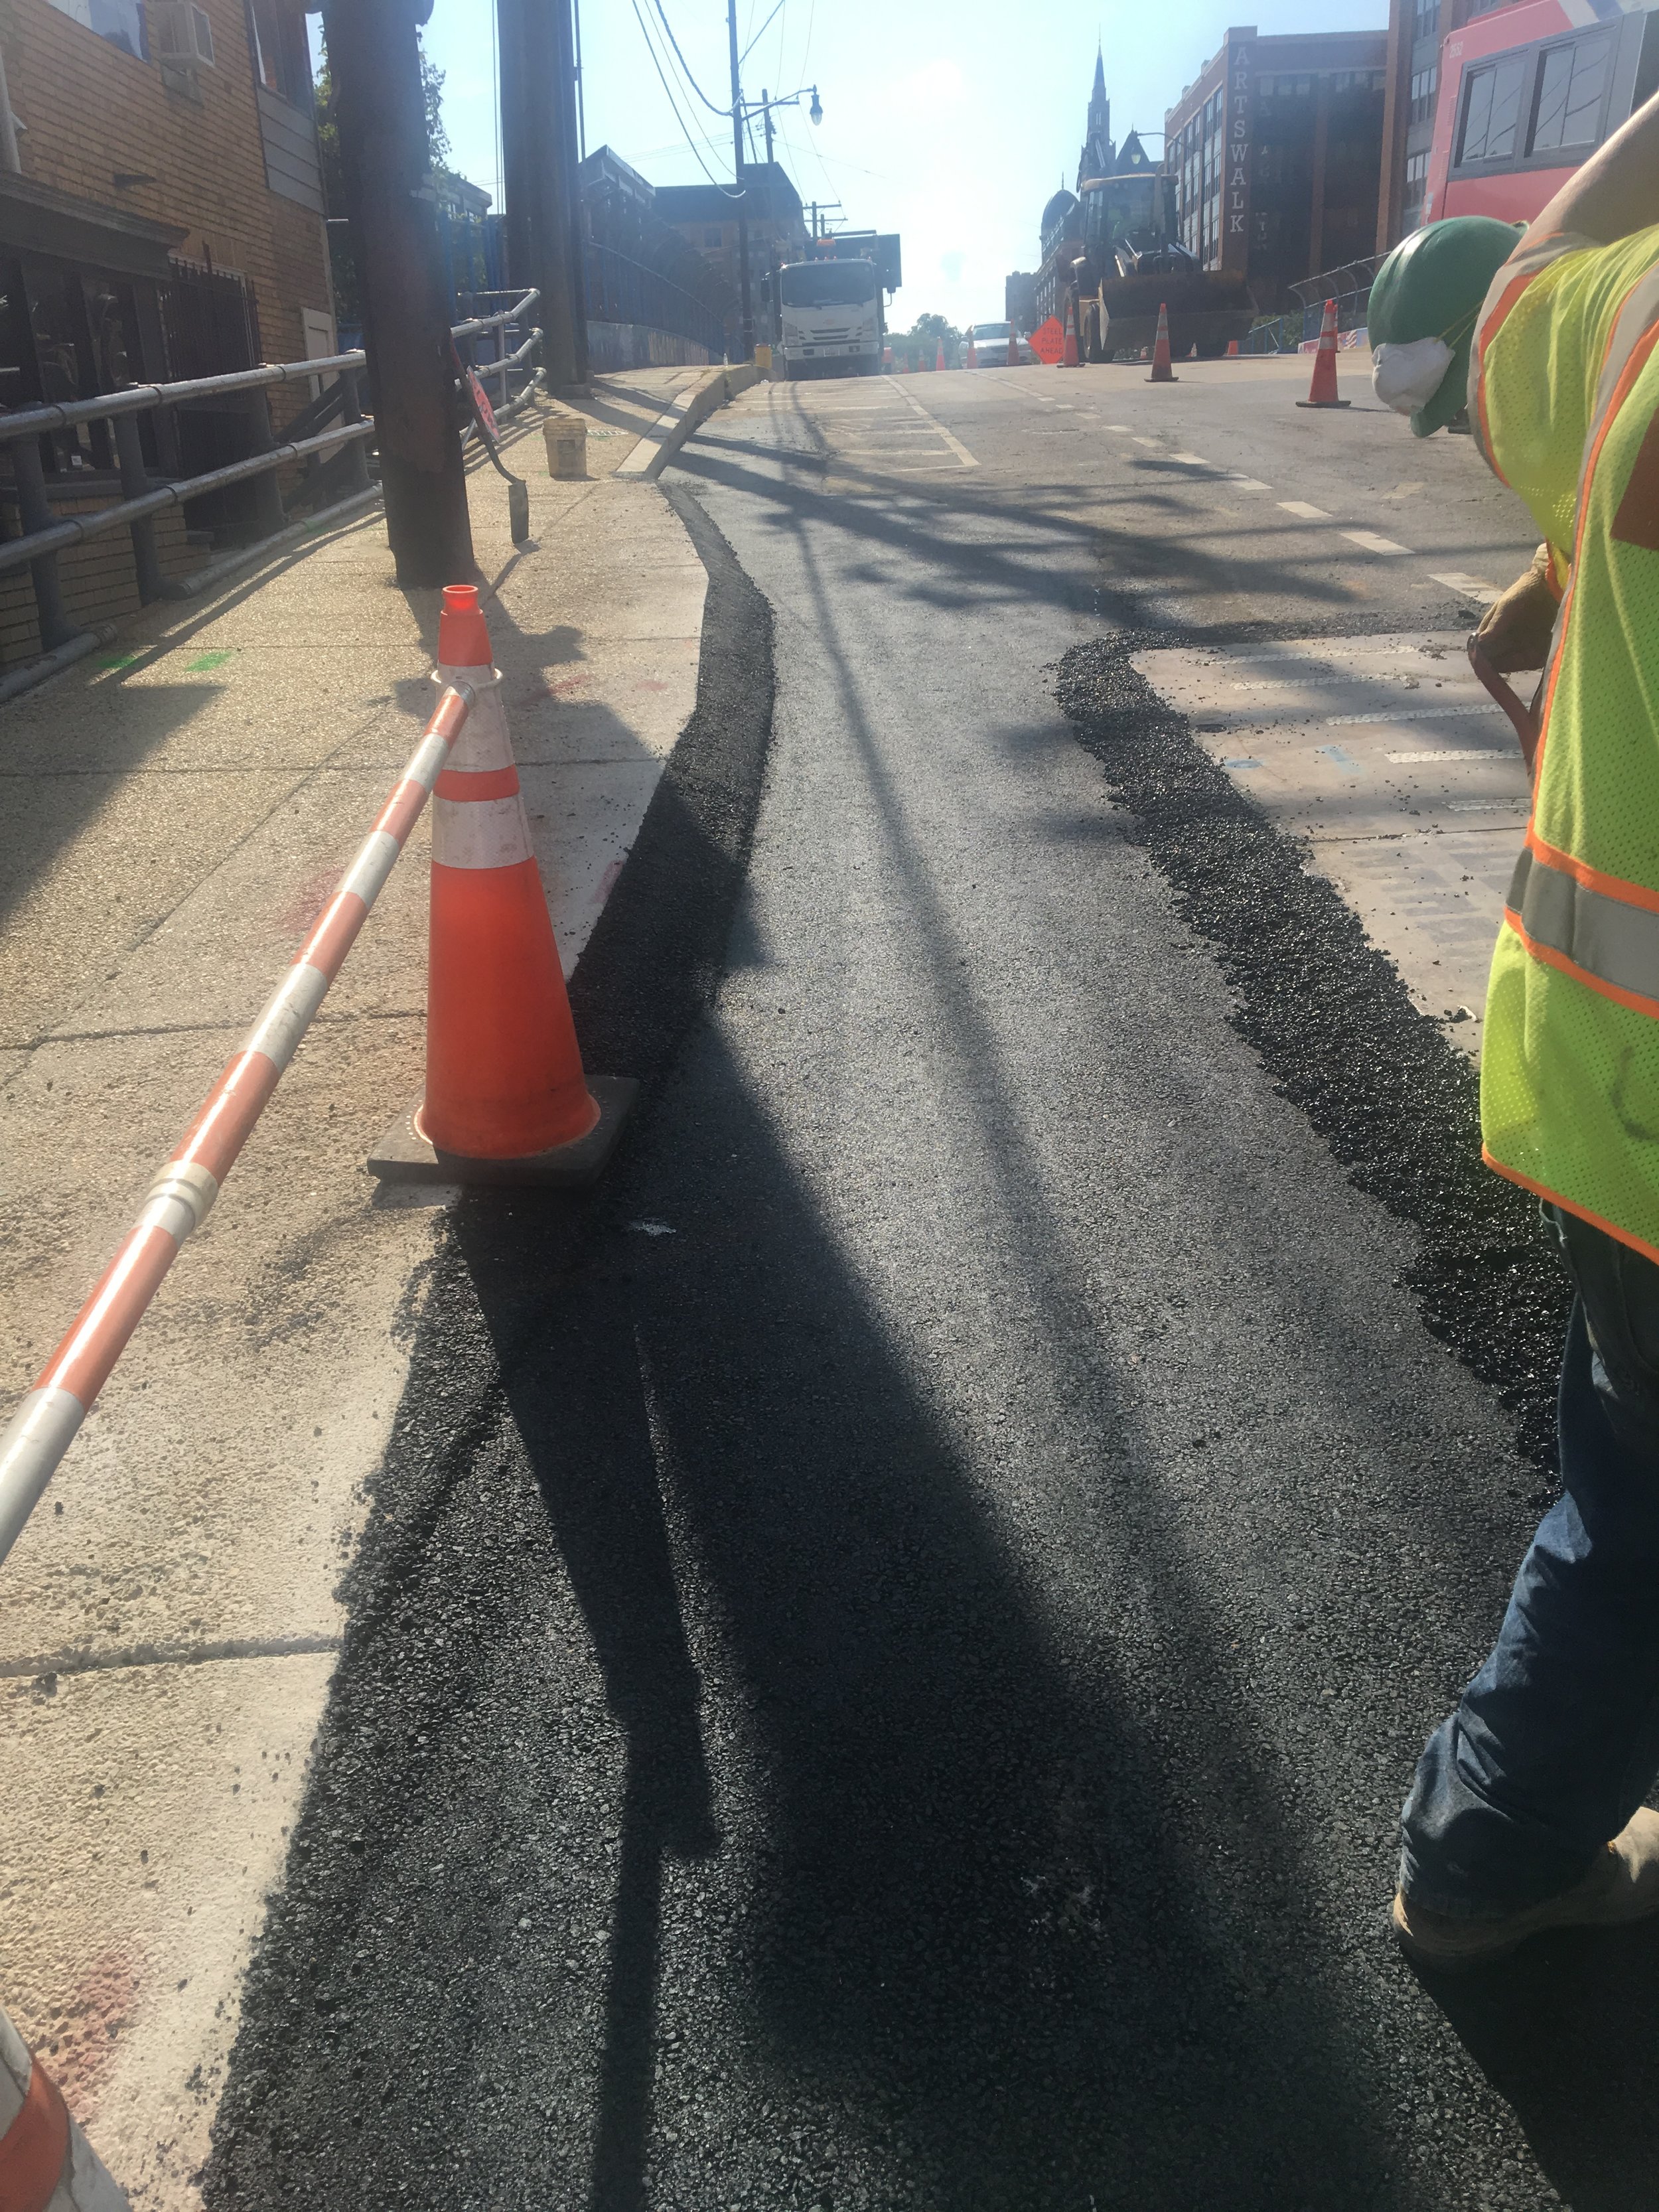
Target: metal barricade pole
267,492
35,513
134,482
351,412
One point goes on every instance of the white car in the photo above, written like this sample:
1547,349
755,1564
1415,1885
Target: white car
990,344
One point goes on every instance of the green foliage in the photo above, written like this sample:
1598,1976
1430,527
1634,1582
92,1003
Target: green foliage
933,328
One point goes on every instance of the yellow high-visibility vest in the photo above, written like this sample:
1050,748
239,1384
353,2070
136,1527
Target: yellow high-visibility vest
1564,396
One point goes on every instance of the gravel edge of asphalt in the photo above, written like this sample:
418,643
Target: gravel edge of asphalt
648,972
1335,1029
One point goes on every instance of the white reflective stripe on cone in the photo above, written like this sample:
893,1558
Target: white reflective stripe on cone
480,833
483,744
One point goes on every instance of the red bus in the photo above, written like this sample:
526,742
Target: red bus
1526,93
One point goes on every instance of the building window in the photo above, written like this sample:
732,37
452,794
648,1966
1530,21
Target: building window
276,33
1425,20
1493,109
120,21
1417,176
1424,86
1571,88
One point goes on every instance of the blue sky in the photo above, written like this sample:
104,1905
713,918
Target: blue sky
949,121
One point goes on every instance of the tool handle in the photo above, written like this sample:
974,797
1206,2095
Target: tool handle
1523,717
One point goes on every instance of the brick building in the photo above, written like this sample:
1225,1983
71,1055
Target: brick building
160,217
706,216
1276,149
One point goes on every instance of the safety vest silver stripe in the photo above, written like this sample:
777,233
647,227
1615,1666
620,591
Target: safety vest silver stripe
1607,937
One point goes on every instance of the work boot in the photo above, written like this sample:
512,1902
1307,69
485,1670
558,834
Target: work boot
1622,1884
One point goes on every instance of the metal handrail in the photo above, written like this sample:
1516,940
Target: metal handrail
135,399
15,552
44,537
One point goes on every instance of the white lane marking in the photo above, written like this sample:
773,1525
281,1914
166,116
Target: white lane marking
956,445
1471,588
1484,752
1487,806
1193,460
1140,440
1300,506
1248,483
1121,429
1368,542
1406,713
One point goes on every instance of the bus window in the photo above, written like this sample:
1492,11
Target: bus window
1492,109
1571,92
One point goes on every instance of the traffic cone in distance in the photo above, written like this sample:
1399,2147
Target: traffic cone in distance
939,358
973,354
1192,355
1232,350
1013,348
1161,371
1322,391
1069,357
507,1099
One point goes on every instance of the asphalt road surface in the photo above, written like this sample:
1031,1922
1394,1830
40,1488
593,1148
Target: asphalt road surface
892,1639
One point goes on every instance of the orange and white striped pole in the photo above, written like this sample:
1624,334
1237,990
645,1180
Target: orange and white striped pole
44,1426
47,2164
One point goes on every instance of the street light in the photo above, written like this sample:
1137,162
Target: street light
815,112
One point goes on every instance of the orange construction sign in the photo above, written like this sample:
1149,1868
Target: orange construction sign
1047,342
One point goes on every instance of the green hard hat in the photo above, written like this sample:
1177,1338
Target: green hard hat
1431,286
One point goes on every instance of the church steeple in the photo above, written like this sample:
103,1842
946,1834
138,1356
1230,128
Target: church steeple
1098,157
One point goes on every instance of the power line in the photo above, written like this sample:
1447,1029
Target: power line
691,132
712,104
656,64
758,36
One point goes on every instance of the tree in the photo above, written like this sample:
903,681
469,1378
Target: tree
926,336
348,296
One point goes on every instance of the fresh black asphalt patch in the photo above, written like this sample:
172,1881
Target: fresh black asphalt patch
1336,1029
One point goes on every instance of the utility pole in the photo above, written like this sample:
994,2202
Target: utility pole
538,145
375,58
766,118
742,188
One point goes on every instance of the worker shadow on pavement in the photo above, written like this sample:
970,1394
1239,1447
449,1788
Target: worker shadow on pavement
1567,2032
941,1918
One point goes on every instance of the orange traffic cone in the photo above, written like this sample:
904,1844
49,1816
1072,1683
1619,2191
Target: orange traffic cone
1161,371
972,352
44,2159
1232,350
939,358
1013,348
1070,357
506,1097
1192,355
1322,391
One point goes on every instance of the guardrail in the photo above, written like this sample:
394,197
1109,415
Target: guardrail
1349,285
619,289
46,1422
44,537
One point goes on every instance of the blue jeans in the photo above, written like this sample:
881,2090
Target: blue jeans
1556,1740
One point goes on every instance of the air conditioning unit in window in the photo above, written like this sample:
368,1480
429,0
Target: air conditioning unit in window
179,32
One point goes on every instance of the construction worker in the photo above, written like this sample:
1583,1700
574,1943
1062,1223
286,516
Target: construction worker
1527,1811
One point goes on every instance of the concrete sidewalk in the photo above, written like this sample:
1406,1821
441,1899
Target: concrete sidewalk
177,814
